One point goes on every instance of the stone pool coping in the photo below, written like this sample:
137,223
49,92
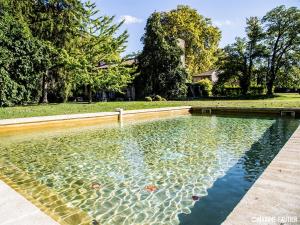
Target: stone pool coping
16,210
246,110
275,196
40,119
202,110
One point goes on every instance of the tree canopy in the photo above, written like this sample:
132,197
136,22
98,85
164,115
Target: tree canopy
282,26
160,64
269,55
166,67
55,46
200,36
240,59
98,43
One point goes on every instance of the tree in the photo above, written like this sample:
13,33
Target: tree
22,61
160,63
240,58
282,40
289,74
58,22
200,36
99,43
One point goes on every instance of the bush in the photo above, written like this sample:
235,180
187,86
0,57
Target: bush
235,91
148,99
257,90
157,98
206,87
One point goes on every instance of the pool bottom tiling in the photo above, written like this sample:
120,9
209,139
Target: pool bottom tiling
183,170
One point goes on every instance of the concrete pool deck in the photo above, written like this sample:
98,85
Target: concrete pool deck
16,210
275,196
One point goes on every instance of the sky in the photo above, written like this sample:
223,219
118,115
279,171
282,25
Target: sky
229,15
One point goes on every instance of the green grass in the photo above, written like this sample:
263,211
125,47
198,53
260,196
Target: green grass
281,100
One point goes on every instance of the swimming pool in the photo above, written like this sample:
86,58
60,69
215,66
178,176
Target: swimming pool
182,170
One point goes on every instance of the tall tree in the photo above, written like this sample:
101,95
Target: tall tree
58,22
289,74
160,65
282,40
100,43
240,58
200,36
23,59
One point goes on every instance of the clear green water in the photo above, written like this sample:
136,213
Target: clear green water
182,157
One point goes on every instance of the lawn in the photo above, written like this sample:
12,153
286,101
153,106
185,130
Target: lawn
280,100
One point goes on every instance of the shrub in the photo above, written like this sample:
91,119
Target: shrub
206,87
257,90
148,99
157,98
235,91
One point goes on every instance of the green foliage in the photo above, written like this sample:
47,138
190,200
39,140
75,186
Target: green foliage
99,43
282,43
268,56
148,99
55,47
160,64
23,59
157,98
235,91
200,36
239,59
206,87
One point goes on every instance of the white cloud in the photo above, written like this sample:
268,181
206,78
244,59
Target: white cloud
130,19
223,23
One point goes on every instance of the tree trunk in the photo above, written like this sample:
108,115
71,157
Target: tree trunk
66,92
90,93
44,99
270,84
245,84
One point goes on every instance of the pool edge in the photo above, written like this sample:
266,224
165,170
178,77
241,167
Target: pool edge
18,208
275,196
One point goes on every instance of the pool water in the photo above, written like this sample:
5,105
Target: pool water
183,170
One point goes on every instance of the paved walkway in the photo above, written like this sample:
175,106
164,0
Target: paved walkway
16,210
275,196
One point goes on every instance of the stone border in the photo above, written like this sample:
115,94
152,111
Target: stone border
246,111
275,196
212,110
16,210
42,119
13,126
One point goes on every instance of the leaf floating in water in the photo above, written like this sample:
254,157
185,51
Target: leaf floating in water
151,188
96,186
195,198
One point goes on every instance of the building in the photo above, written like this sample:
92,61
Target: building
211,75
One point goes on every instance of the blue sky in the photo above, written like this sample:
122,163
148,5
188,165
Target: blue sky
228,15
